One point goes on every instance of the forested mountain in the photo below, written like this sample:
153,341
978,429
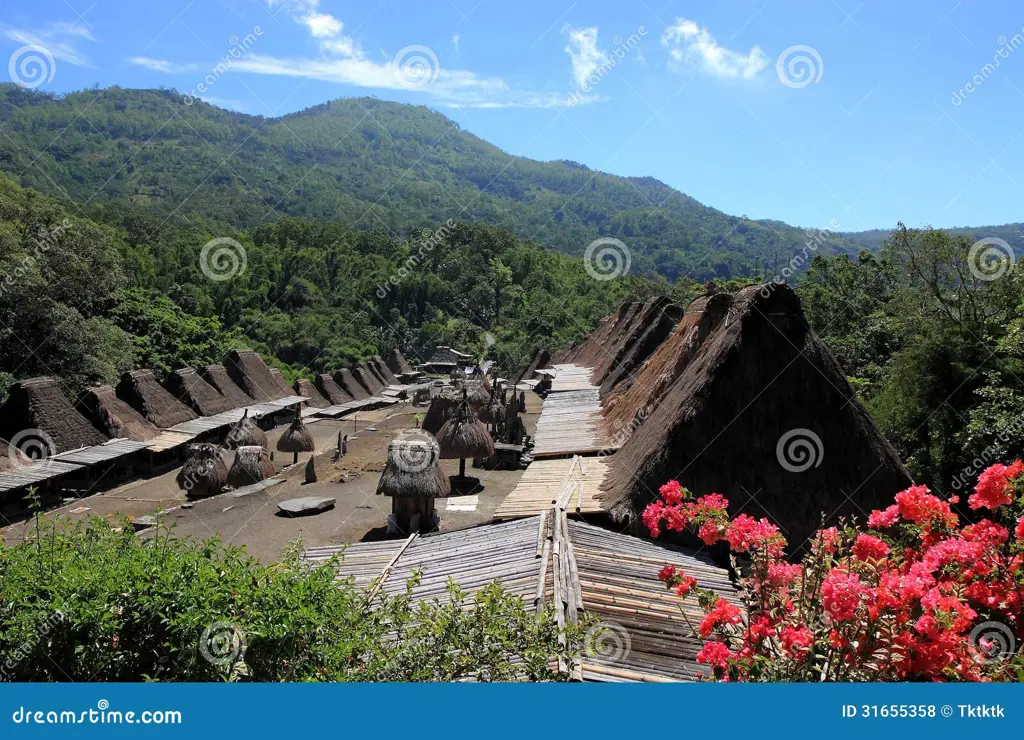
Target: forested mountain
368,164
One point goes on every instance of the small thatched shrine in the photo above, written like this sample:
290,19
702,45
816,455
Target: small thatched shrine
442,408
493,414
217,376
477,393
114,417
283,389
38,404
412,478
462,436
246,433
296,438
306,388
351,386
398,364
188,387
204,472
252,375
141,391
331,390
252,464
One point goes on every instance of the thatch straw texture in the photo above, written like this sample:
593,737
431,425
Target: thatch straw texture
331,390
412,469
541,360
306,388
12,457
397,362
441,409
733,421
464,435
114,417
296,438
142,392
252,464
246,433
283,389
365,378
631,347
493,412
477,394
351,386
383,370
39,404
375,372
217,376
204,472
188,387
252,375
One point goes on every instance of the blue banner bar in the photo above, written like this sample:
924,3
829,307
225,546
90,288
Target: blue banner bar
508,711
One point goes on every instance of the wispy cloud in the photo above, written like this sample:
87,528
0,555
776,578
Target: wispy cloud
692,46
162,65
582,50
57,38
455,43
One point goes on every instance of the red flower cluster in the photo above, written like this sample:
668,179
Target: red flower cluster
909,599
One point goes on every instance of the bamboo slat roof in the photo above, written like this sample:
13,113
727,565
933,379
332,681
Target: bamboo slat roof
168,440
570,420
642,635
105,452
37,472
577,481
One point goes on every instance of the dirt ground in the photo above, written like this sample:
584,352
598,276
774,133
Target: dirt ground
253,520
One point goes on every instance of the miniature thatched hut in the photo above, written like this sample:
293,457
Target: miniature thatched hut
252,375
252,464
477,394
204,472
217,376
38,404
441,409
141,391
114,417
330,390
412,479
246,433
493,414
763,413
306,388
296,438
398,364
283,390
188,387
464,435
350,385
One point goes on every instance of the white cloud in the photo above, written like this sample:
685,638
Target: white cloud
322,25
692,46
582,50
162,65
57,38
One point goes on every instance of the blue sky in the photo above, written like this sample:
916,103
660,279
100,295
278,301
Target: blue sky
805,112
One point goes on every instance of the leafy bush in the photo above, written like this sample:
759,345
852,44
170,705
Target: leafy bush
916,596
96,602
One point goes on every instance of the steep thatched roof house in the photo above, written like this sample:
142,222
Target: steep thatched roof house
217,376
540,360
350,385
366,379
445,359
760,412
398,364
283,391
188,387
252,375
382,370
39,404
140,390
114,417
306,388
331,390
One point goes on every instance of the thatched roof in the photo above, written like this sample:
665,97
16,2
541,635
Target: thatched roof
217,376
306,388
114,417
245,433
296,438
142,392
540,360
350,385
412,469
38,404
397,362
493,411
383,370
252,464
331,390
441,409
633,343
733,419
464,435
283,389
376,373
204,472
252,375
188,387
12,457
477,394
365,378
